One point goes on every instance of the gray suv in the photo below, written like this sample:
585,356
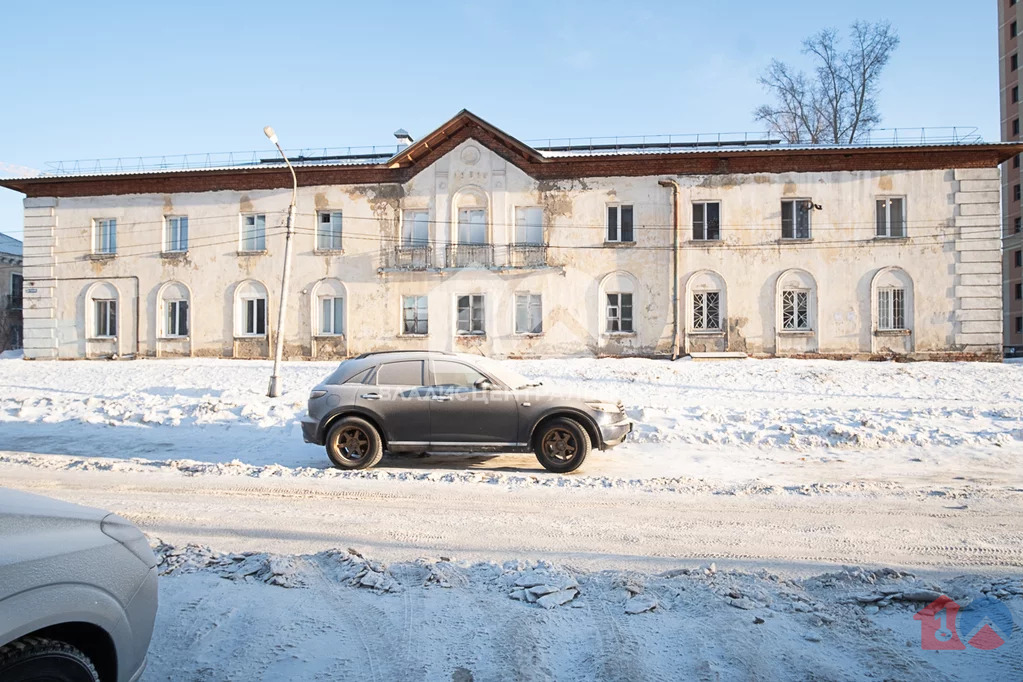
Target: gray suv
419,401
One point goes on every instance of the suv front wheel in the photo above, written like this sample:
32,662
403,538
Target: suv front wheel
561,445
38,658
353,443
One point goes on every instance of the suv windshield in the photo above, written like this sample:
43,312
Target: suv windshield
503,374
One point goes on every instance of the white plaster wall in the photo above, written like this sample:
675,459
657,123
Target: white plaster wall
842,257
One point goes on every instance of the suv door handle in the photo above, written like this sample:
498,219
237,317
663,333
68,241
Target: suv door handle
441,398
370,396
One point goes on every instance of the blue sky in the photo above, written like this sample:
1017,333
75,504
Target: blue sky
88,80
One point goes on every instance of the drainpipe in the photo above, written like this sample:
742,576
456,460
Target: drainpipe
675,197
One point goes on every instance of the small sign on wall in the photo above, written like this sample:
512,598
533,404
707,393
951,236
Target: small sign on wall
31,290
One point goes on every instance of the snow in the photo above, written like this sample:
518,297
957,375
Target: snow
710,545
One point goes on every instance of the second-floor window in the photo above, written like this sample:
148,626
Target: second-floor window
891,309
104,236
890,217
707,310
414,315
177,233
253,232
618,315
415,229
328,231
706,221
470,315
795,219
619,223
472,226
529,225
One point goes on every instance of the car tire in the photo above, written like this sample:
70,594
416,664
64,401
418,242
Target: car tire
35,658
562,445
354,443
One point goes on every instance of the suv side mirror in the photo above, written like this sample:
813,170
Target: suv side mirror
483,384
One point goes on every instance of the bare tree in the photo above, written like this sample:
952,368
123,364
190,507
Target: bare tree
838,102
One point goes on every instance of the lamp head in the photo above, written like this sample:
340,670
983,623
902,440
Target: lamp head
271,135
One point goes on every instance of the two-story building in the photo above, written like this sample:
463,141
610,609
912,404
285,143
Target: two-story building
471,240
10,292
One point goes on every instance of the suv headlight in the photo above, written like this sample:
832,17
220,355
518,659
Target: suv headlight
604,407
313,395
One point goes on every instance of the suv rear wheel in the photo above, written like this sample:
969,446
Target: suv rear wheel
353,443
38,658
562,445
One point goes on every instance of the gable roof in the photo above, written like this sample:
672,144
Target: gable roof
402,166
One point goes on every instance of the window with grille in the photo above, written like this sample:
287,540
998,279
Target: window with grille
528,314
254,316
332,315
795,310
890,217
795,219
176,239
706,221
177,318
891,309
254,232
619,223
328,231
414,315
415,229
106,318
470,314
104,236
707,310
618,314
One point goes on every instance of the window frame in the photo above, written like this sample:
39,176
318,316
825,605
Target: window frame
172,320
415,308
474,299
242,236
408,220
469,210
335,234
243,331
888,217
704,308
796,294
809,219
705,221
108,328
892,311
619,306
104,243
527,227
172,243
618,207
1017,258
335,302
528,296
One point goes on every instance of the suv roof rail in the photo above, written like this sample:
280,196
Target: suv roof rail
387,352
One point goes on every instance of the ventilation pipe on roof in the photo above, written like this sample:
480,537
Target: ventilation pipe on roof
675,198
404,139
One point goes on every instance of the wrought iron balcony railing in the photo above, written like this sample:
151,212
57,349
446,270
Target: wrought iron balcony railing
527,255
470,256
409,258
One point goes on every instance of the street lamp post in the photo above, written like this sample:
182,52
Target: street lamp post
275,381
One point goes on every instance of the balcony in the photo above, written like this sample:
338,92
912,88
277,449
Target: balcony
409,258
527,255
470,256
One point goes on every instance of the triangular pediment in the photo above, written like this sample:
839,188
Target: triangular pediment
463,126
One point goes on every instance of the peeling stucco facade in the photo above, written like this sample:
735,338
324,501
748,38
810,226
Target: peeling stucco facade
948,264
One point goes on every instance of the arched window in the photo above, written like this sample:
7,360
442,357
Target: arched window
329,298
618,303
250,309
796,302
892,300
101,313
174,312
705,299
